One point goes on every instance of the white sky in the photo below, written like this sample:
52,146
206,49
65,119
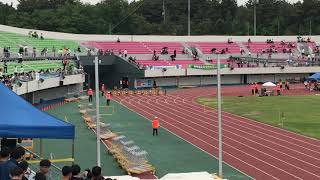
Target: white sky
240,2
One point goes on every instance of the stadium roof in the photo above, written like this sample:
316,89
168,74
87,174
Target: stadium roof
19,119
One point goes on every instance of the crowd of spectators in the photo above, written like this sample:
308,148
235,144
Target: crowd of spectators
13,166
19,75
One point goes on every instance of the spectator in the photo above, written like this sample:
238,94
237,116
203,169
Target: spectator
24,166
66,173
54,51
96,173
125,52
44,166
34,52
5,164
41,36
64,63
118,40
5,67
16,173
76,172
19,57
17,155
40,176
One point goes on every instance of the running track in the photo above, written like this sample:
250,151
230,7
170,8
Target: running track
258,150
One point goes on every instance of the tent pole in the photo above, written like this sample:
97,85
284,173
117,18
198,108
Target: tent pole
72,151
40,149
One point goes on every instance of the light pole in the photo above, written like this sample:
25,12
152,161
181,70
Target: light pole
255,16
219,116
163,11
189,19
96,69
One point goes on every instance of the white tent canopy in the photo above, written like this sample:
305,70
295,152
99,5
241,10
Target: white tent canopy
188,176
269,84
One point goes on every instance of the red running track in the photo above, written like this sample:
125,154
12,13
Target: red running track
259,150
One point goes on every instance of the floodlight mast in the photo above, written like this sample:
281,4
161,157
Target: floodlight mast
255,2
219,116
189,19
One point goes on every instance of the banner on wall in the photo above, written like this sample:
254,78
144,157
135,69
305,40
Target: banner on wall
165,67
143,83
207,67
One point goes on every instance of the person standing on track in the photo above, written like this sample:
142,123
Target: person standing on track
90,93
108,98
252,86
155,126
278,88
102,90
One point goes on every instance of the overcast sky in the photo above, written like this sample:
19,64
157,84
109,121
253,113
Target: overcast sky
240,2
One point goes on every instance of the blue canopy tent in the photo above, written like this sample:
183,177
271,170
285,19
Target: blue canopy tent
20,119
315,77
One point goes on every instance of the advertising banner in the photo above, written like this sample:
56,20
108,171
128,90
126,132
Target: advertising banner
143,83
207,67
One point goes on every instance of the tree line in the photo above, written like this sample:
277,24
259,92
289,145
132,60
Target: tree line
165,17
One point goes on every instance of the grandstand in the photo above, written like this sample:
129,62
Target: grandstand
193,65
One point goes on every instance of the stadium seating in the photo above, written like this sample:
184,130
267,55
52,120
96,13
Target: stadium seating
206,47
258,47
131,47
34,66
159,45
14,41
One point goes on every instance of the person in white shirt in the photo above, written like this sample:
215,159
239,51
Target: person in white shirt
15,70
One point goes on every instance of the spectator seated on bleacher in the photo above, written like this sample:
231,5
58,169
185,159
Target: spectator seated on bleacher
230,41
269,41
164,50
118,40
155,57
308,40
35,35
291,45
173,58
100,52
213,50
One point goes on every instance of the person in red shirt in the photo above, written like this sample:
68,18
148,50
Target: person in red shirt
278,88
256,88
252,88
90,93
102,90
108,98
155,126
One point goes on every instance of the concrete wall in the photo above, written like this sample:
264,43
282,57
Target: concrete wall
236,71
32,86
86,37
225,79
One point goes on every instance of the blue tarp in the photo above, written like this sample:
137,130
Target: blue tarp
316,77
19,119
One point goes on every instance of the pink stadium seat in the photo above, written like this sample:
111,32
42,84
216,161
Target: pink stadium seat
206,47
159,45
131,47
258,47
